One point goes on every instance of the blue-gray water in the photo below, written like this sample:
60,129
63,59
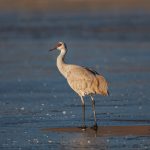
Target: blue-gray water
34,96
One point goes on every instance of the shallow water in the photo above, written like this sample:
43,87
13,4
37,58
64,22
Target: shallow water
34,96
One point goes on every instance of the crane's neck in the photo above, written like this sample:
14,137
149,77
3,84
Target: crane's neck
61,63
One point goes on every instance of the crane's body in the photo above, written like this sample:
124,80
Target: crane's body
82,80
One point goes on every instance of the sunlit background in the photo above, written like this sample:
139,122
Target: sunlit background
110,36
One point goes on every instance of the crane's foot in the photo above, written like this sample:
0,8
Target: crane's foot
95,127
83,127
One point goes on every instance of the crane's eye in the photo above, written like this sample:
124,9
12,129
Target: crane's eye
59,44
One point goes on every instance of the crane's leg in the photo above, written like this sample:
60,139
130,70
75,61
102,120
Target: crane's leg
83,113
93,108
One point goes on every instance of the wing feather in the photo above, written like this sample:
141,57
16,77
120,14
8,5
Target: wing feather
82,80
86,81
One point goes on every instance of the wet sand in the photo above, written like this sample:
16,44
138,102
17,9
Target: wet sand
106,130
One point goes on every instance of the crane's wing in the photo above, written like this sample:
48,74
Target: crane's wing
86,81
92,71
80,73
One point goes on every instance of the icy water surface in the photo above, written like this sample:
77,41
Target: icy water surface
35,98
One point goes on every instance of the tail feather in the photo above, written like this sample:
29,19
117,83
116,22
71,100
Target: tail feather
103,85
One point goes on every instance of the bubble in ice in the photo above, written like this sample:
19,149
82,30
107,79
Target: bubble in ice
19,80
116,107
14,142
44,84
122,94
35,141
145,147
25,132
55,96
73,116
5,144
64,112
5,95
22,108
49,141
89,141
48,114
46,135
140,107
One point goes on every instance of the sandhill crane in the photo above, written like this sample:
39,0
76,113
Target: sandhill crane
84,81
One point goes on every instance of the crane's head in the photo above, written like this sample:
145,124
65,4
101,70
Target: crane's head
60,46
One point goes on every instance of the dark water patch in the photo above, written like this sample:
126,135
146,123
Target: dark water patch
133,121
102,27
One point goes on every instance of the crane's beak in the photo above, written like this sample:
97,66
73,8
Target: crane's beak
53,49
